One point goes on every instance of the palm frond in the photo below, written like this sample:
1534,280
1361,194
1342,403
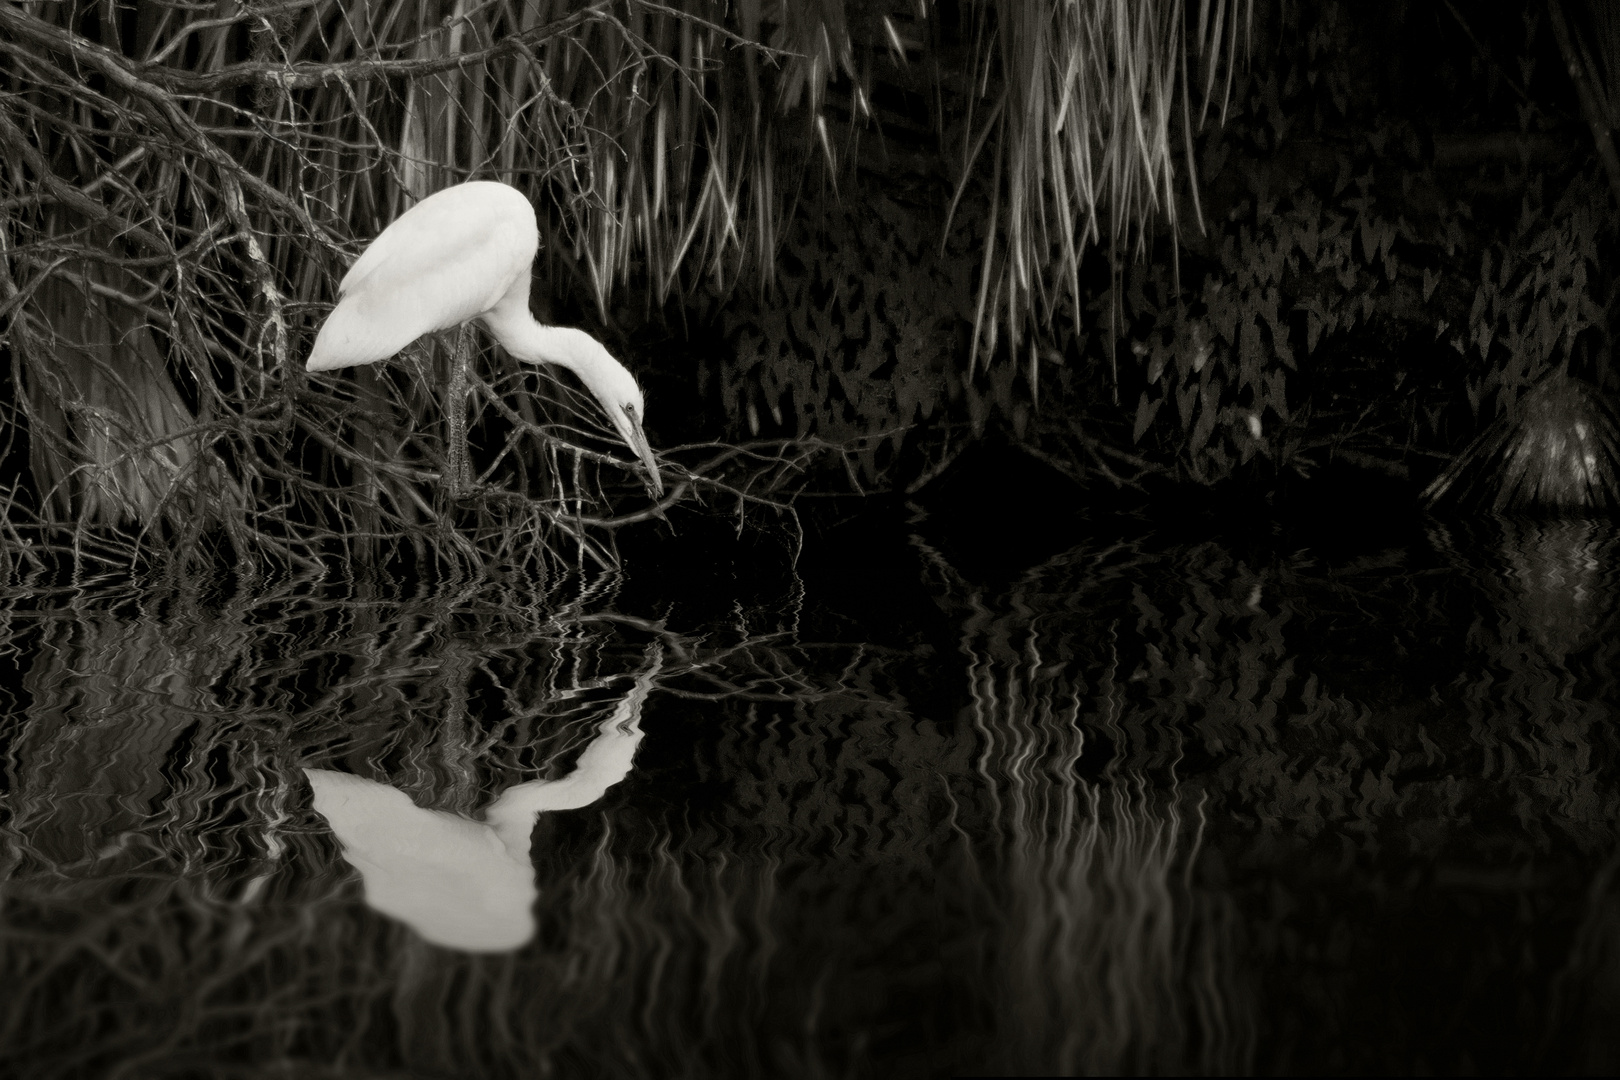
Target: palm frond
1080,132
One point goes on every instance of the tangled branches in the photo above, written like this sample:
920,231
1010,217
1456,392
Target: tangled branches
182,192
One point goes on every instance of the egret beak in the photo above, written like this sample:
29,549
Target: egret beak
636,439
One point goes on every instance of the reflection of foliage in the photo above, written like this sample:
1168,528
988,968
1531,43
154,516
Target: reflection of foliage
1586,994
171,902
1386,745
163,872
172,905
1230,676
1169,804
1094,876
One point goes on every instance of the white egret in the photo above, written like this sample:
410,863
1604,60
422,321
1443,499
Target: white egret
461,254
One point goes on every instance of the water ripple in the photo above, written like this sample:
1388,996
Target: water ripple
1157,804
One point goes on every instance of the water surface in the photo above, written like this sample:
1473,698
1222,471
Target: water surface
1144,799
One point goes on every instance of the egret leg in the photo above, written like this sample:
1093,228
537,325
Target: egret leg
455,413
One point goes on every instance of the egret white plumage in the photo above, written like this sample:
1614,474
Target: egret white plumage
461,254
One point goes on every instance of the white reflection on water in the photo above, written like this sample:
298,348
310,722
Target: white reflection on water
461,883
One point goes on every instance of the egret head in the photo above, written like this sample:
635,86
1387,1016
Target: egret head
614,386
607,379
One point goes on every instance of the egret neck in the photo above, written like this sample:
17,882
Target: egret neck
607,379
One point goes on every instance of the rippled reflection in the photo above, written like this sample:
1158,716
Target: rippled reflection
1109,961
1552,581
463,883
1155,805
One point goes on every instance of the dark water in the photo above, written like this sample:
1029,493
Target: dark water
1164,800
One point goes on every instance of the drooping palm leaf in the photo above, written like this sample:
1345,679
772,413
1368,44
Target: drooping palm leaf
1089,107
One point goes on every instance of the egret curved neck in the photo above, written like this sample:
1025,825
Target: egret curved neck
536,343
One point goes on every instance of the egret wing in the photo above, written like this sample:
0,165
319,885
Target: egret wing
448,259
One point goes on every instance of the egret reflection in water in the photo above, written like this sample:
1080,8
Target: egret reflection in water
458,882
1153,805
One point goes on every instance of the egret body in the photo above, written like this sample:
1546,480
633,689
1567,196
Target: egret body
461,254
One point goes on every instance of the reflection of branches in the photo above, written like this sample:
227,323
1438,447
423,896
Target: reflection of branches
398,679
153,815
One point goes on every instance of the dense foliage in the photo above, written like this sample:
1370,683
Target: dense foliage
1398,232
840,244
1398,251
184,191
